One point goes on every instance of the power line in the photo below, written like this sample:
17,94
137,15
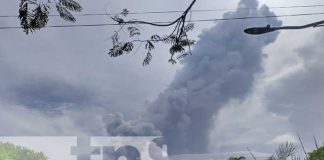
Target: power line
198,20
176,11
256,17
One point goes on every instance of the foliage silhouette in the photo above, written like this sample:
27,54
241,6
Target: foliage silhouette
178,38
34,14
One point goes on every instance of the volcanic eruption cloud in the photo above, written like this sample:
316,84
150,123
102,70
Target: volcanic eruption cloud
223,67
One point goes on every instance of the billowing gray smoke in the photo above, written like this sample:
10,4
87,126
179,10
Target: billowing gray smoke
223,67
117,126
299,93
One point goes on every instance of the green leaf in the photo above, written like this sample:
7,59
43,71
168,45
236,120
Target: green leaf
128,47
71,5
149,45
121,48
40,17
35,19
176,49
155,38
23,15
133,31
115,38
64,13
182,56
116,51
186,42
147,59
189,27
34,14
125,12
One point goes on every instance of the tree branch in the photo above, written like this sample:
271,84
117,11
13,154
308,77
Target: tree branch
178,38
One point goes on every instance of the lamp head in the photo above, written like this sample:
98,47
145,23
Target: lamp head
259,30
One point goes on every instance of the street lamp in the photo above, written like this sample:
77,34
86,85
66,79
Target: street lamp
267,29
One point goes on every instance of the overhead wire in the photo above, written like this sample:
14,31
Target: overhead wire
197,20
175,11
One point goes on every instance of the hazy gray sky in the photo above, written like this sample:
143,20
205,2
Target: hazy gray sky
60,81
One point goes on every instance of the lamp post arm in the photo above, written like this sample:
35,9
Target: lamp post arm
300,27
263,30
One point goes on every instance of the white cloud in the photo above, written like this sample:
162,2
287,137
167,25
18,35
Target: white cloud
286,99
246,123
288,137
20,121
302,90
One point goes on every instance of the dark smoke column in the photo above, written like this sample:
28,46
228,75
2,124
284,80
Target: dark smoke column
223,66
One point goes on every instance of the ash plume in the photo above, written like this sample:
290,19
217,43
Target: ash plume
223,67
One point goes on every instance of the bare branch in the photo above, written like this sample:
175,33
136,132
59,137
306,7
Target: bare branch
251,153
302,145
183,16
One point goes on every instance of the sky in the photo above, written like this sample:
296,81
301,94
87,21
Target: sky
235,91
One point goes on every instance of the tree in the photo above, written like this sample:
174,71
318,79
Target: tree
317,154
34,14
12,152
284,151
